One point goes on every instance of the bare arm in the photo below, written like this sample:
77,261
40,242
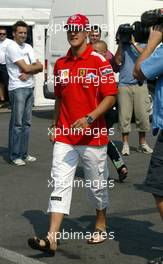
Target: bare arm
54,119
105,105
118,56
30,68
56,111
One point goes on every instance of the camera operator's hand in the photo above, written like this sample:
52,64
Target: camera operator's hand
155,38
159,27
118,54
133,41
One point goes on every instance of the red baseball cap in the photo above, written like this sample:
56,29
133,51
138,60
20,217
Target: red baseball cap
77,21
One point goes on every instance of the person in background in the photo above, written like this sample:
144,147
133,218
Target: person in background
132,96
100,47
21,65
95,35
4,42
150,66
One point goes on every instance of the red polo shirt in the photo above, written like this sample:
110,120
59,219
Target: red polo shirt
82,83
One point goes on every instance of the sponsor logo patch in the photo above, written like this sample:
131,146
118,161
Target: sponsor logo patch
64,74
105,70
91,75
56,198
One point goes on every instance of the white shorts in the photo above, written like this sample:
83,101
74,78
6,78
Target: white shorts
64,164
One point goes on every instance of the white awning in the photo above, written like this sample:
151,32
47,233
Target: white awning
25,4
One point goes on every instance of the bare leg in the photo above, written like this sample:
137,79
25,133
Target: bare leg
55,223
142,138
125,137
159,203
99,235
101,219
2,92
125,149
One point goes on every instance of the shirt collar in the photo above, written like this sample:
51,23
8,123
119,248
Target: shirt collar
84,55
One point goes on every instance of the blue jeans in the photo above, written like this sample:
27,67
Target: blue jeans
21,100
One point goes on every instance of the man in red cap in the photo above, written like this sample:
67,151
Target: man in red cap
84,89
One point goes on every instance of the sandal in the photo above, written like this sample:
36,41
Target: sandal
99,236
35,244
122,172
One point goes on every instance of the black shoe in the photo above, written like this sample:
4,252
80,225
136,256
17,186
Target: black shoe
158,260
122,172
35,244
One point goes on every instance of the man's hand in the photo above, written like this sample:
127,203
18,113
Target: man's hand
118,54
159,27
80,123
155,37
23,76
133,41
51,133
38,63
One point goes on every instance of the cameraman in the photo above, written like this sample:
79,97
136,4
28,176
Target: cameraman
150,65
131,96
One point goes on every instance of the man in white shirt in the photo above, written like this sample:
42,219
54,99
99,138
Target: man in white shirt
4,41
21,65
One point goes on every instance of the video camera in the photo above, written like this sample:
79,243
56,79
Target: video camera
140,29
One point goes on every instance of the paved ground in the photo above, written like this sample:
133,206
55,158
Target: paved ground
24,196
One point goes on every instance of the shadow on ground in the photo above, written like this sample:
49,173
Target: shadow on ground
4,154
135,237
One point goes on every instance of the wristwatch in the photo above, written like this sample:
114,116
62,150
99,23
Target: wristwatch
89,119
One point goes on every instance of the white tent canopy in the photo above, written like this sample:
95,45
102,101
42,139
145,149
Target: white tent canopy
25,4
36,14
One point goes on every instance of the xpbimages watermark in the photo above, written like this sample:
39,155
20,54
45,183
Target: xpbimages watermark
96,184
85,77
90,78
57,27
88,131
81,235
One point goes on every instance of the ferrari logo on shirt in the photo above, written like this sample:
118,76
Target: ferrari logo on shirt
105,70
82,72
